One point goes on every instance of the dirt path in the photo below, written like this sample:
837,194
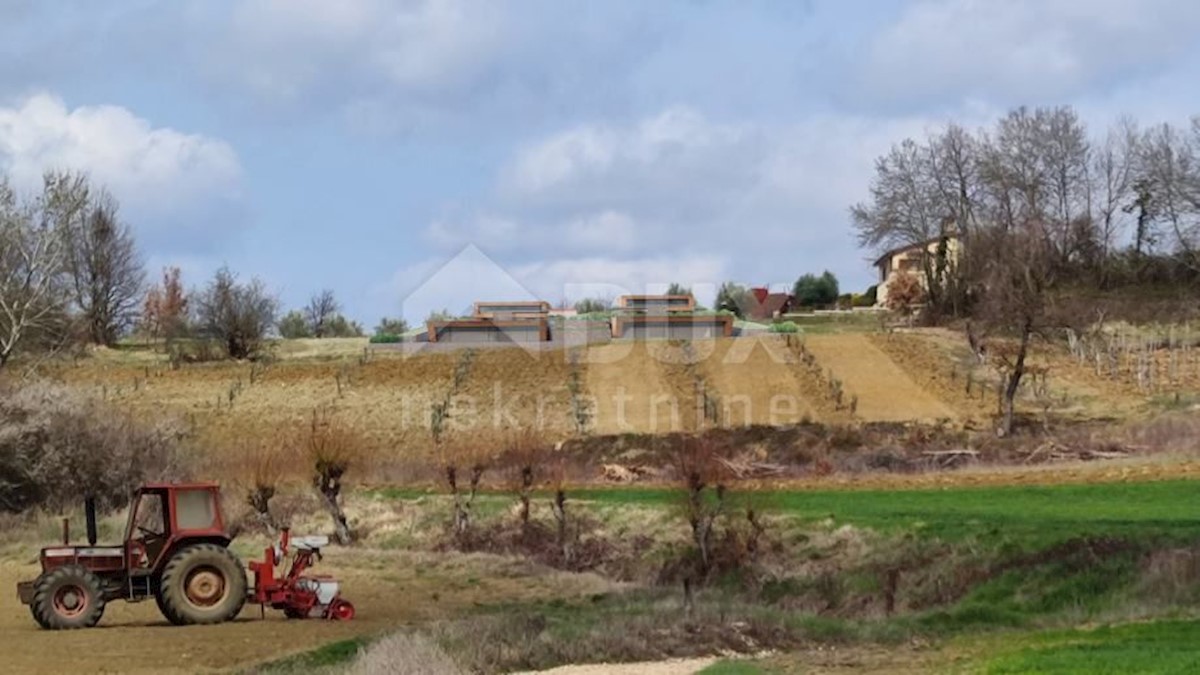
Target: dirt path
756,382
671,667
885,392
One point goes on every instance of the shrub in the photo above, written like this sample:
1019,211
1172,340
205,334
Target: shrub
57,445
592,306
813,291
388,326
868,298
404,653
386,338
293,326
236,315
784,327
339,326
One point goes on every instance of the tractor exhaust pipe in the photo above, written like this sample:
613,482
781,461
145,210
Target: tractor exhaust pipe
89,510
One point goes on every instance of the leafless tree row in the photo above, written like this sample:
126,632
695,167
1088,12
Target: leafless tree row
1130,191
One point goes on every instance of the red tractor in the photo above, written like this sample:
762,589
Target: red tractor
175,551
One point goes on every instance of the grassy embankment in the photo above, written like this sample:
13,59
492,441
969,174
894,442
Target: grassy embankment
1037,568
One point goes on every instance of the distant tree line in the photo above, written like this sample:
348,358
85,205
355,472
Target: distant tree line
71,274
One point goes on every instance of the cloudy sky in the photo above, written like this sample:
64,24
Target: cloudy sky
404,152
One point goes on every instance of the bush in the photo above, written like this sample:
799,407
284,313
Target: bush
293,326
592,306
813,291
57,446
388,326
869,298
404,653
339,326
386,339
784,327
236,315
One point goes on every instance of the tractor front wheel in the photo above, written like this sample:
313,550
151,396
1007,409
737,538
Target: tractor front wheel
204,583
67,597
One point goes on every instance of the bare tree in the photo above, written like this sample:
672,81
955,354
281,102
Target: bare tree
1171,176
236,315
1113,172
903,206
106,271
321,310
1017,272
34,290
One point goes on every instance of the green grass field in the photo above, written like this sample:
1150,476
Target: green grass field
1045,579
1153,647
1035,515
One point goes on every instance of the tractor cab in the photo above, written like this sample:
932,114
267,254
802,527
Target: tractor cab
164,514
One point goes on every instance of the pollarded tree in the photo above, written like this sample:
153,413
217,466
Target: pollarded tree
236,315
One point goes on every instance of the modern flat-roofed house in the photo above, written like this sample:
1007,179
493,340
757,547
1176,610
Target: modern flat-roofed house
666,316
911,259
502,321
478,329
672,326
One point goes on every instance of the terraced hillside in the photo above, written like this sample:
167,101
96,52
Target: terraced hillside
653,387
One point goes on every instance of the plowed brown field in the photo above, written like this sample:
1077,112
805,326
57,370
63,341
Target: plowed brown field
757,382
885,392
634,390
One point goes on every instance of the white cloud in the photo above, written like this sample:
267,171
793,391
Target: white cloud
601,276
609,165
606,231
1024,49
597,203
157,173
356,54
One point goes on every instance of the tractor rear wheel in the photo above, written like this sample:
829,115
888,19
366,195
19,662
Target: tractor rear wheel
67,597
203,583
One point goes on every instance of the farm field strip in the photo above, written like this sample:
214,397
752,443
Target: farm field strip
754,386
1028,512
885,392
